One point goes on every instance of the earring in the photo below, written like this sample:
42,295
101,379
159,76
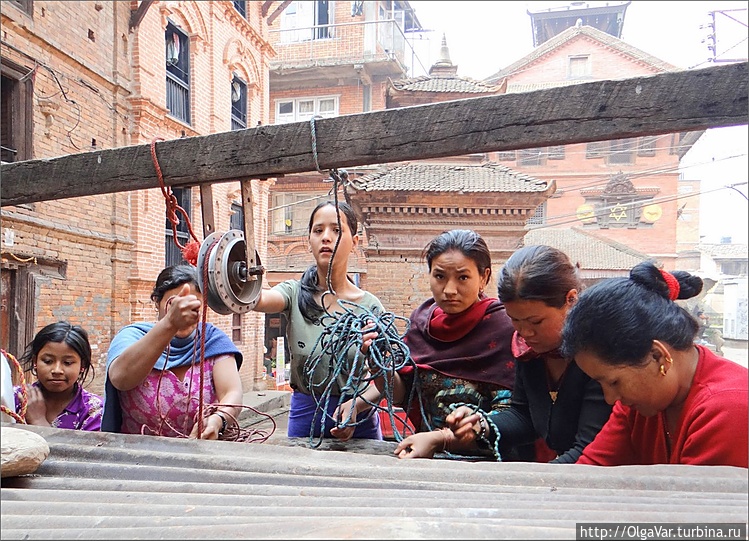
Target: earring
663,370
669,360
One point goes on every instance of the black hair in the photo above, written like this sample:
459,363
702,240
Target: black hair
74,336
538,273
309,308
617,319
172,277
465,241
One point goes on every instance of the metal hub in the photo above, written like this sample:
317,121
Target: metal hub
229,288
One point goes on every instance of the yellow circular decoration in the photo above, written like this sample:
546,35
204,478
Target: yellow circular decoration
652,213
586,213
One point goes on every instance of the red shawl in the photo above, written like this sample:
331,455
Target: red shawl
474,345
523,352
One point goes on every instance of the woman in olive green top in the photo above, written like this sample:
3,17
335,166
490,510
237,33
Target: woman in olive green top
301,302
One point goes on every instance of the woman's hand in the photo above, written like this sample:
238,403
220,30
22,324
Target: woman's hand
341,415
211,427
183,309
424,444
36,407
464,424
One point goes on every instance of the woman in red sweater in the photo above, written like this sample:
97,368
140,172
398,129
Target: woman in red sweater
674,402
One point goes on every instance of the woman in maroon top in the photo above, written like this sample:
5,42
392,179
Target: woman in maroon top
675,402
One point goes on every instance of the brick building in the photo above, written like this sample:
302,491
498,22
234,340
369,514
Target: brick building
122,73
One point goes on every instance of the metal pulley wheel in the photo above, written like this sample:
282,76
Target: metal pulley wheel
230,287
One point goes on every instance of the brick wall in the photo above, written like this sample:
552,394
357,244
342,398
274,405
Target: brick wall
98,82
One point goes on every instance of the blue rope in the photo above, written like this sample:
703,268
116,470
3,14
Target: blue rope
342,334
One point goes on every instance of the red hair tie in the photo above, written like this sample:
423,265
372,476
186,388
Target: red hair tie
673,285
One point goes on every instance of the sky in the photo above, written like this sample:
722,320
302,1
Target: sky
486,36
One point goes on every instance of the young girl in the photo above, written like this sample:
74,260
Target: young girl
675,402
153,376
301,302
60,358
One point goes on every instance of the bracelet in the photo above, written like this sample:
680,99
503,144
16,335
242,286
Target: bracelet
481,434
223,423
445,441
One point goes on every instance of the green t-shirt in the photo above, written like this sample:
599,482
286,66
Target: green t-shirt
302,335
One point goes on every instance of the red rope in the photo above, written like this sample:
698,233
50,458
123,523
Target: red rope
21,416
191,249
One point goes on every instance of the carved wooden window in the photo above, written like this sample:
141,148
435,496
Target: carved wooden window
539,217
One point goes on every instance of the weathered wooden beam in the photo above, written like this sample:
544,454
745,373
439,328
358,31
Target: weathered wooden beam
278,11
137,15
266,6
595,111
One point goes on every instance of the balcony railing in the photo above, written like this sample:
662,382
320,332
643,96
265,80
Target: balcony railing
372,41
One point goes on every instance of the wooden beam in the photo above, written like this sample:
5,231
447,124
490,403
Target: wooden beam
266,6
596,111
137,16
278,11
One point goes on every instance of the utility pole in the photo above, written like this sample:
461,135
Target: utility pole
712,38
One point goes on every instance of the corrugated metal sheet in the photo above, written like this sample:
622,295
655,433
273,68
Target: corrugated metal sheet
114,486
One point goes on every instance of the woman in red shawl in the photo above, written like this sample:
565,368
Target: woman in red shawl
460,342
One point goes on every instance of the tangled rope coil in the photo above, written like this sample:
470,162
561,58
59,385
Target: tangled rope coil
343,334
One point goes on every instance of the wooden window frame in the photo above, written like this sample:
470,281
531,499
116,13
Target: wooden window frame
21,119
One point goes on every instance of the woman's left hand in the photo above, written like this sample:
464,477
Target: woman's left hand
211,426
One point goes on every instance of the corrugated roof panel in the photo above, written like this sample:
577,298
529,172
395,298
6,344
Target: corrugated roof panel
116,486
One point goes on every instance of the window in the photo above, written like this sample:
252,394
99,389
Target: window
177,73
596,149
304,20
173,252
236,221
506,156
16,114
305,108
24,5
290,212
238,104
578,67
555,153
646,146
241,7
532,156
622,151
539,217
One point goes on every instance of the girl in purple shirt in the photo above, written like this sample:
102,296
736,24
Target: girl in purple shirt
60,358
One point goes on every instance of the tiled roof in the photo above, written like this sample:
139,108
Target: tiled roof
530,87
591,251
725,251
99,485
491,177
593,33
444,84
